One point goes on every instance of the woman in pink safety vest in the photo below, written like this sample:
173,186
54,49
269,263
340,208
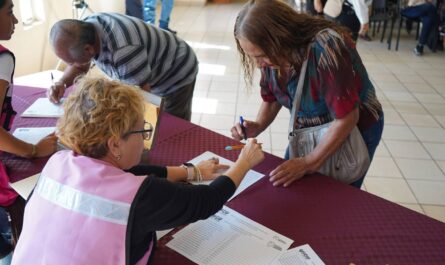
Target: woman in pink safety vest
93,204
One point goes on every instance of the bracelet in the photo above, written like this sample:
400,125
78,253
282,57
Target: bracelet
61,83
190,171
193,172
34,151
198,174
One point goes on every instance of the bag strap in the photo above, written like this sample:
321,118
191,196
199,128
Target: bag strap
297,98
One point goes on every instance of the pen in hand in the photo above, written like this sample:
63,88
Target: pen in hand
241,123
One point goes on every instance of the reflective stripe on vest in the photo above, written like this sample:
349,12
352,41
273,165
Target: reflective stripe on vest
74,200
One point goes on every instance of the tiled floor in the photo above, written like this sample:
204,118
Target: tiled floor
409,167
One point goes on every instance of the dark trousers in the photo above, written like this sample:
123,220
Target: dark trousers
179,103
349,19
427,13
5,233
134,8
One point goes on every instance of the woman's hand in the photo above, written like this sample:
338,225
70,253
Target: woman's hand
252,130
46,146
210,169
289,171
251,153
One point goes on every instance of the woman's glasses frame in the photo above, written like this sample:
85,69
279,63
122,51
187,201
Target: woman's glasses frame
146,132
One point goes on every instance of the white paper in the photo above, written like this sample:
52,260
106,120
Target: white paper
25,186
229,238
162,233
33,135
302,255
250,178
43,108
40,79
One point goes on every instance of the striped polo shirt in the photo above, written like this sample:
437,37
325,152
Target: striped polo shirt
138,53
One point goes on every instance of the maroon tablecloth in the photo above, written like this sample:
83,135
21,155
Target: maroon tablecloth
342,224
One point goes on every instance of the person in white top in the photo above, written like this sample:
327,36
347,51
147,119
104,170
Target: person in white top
354,15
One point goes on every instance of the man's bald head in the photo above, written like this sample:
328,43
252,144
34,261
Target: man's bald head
71,35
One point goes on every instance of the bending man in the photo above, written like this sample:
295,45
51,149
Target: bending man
127,49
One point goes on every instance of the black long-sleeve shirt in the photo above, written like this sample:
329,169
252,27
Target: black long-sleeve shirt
160,204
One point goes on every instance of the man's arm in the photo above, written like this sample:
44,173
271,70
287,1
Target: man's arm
55,93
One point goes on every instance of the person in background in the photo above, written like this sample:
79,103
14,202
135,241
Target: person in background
149,13
427,13
354,15
96,200
8,143
273,37
127,49
133,8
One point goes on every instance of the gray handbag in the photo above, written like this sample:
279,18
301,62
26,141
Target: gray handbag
351,160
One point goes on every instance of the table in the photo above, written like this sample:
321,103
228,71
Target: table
342,224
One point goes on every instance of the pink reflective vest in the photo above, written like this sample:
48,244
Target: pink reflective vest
78,214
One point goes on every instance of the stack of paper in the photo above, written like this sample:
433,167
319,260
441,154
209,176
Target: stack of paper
33,135
43,108
229,238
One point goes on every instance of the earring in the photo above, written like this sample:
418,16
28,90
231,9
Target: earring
118,157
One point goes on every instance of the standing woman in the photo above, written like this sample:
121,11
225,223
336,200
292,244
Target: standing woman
273,37
9,143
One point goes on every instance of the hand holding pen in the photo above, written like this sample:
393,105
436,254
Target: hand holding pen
245,129
56,91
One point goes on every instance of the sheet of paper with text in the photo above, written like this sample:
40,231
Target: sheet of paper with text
250,178
228,237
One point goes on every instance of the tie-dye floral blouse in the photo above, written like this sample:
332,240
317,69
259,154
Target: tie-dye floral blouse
336,82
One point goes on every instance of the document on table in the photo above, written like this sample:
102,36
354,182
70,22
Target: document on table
250,178
25,186
33,135
229,238
302,255
43,108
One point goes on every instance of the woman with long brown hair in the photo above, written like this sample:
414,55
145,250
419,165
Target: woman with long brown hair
273,37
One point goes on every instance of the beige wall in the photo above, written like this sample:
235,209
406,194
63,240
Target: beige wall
30,46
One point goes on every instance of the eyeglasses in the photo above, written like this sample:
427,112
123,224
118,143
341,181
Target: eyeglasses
146,132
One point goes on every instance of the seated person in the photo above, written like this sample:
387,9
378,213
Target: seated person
85,204
427,13
8,143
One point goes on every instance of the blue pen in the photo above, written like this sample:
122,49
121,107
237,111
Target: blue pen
241,122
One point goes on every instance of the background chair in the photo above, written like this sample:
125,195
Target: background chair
383,11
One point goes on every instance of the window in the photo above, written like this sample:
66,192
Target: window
31,12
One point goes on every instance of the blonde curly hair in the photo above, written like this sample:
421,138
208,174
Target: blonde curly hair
97,110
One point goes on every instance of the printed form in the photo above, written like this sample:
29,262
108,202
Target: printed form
33,135
229,238
43,108
302,255
250,178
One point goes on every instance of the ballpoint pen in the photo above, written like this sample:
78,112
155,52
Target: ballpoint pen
241,123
